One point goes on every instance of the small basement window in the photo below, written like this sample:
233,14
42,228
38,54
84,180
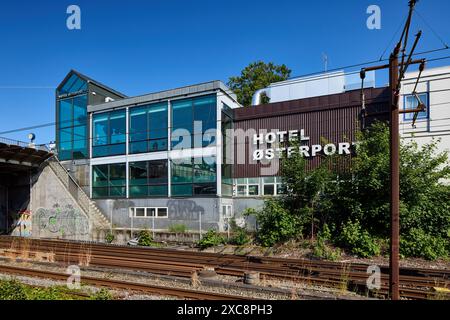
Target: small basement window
149,212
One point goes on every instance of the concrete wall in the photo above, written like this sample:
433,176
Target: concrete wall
55,214
180,211
239,206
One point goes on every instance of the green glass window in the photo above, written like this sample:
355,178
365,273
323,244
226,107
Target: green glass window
148,178
73,85
109,133
194,176
148,128
109,180
72,128
198,116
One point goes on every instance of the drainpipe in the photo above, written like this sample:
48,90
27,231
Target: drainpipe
256,99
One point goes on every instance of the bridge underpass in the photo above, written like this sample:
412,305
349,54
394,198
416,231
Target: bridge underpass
18,163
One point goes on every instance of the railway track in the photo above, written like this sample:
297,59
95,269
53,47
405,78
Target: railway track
123,285
415,283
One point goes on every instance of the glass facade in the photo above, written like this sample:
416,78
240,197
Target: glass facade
72,128
194,122
109,134
109,181
148,178
148,128
194,177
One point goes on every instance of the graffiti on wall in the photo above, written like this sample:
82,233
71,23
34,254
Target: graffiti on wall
60,221
184,210
24,226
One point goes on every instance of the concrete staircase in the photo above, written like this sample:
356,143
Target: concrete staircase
96,217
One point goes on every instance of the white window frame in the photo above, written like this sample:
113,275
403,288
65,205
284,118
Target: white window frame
132,213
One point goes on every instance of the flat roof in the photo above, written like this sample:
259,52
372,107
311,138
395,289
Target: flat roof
163,95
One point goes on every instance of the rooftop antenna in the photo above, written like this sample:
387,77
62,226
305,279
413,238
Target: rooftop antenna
325,61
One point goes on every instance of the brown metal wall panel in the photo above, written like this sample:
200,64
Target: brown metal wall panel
335,118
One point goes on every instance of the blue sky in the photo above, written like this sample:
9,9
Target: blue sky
142,46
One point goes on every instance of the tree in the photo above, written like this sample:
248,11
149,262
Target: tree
255,76
356,204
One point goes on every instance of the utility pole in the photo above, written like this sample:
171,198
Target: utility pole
395,174
396,73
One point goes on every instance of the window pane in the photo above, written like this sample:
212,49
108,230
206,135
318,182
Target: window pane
158,190
241,191
66,87
157,145
182,115
157,116
139,212
151,212
157,172
100,176
269,190
162,212
206,171
65,113
117,191
138,124
117,174
100,129
138,147
253,190
205,188
115,149
269,180
138,173
138,191
79,110
182,171
99,192
182,189
117,128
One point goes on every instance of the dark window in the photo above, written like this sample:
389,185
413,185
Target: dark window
148,178
194,176
109,180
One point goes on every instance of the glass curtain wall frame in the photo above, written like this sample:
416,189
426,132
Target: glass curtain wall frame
194,176
109,181
109,133
187,116
72,128
148,178
148,128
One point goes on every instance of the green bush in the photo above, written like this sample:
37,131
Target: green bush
109,237
145,239
12,290
275,223
419,244
211,239
358,241
321,249
240,237
102,294
177,228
